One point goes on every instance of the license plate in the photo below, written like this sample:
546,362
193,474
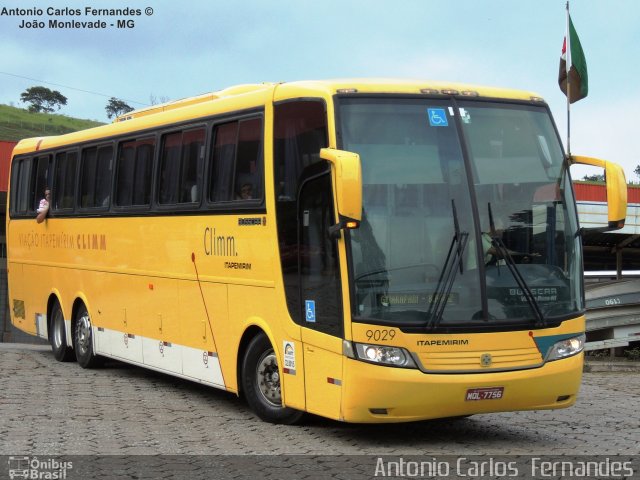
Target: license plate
488,393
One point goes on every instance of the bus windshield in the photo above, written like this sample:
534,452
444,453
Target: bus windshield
468,215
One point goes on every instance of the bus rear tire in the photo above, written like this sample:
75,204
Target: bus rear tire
83,340
58,336
261,383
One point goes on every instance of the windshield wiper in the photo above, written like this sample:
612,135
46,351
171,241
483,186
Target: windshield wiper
369,274
389,270
449,271
501,248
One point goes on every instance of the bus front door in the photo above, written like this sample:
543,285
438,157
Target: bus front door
320,297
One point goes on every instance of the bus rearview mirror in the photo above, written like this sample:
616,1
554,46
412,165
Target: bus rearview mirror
616,185
347,176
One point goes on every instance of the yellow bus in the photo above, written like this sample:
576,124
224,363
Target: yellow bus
364,250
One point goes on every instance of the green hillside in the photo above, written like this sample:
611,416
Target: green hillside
18,123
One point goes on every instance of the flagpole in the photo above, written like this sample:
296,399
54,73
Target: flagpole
567,68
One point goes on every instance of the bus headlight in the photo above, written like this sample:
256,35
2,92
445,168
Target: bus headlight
566,348
384,355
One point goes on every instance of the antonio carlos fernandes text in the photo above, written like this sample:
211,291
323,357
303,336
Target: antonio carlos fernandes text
538,468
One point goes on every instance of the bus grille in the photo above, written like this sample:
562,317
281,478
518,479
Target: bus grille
480,361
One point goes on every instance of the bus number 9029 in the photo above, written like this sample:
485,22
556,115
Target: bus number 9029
380,335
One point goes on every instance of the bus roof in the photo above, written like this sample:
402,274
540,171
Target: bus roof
408,86
249,95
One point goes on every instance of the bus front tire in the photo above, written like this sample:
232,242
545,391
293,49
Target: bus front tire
83,340
58,336
261,383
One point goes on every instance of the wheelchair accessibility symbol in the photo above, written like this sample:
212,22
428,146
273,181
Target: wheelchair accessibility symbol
437,117
310,309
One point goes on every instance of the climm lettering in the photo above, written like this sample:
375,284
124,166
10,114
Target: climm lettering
91,241
219,245
80,241
442,342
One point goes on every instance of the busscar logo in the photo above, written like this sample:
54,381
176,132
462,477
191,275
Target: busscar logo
249,222
439,343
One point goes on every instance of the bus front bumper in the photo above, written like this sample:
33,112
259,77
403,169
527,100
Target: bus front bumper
378,394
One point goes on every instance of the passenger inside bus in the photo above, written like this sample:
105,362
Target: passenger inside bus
245,192
43,206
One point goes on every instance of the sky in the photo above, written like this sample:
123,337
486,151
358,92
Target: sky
178,49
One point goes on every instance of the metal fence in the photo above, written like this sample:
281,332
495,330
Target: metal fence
35,127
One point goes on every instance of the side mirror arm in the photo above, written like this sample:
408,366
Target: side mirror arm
616,191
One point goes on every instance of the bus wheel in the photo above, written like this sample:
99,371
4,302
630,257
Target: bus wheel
82,335
261,383
58,337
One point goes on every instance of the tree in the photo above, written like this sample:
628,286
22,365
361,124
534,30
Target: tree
42,99
593,178
117,107
637,170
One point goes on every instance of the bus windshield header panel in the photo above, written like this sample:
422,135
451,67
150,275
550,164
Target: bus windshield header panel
468,218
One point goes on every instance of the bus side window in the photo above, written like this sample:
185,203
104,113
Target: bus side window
142,172
248,171
181,166
192,164
88,176
301,132
20,193
64,188
42,180
124,178
133,173
95,177
103,180
236,169
224,154
29,178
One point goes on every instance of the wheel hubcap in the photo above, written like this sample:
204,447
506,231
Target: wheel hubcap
84,334
58,329
268,379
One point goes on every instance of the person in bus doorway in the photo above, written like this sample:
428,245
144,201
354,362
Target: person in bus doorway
43,206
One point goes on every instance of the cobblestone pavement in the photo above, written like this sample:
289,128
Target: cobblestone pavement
52,408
